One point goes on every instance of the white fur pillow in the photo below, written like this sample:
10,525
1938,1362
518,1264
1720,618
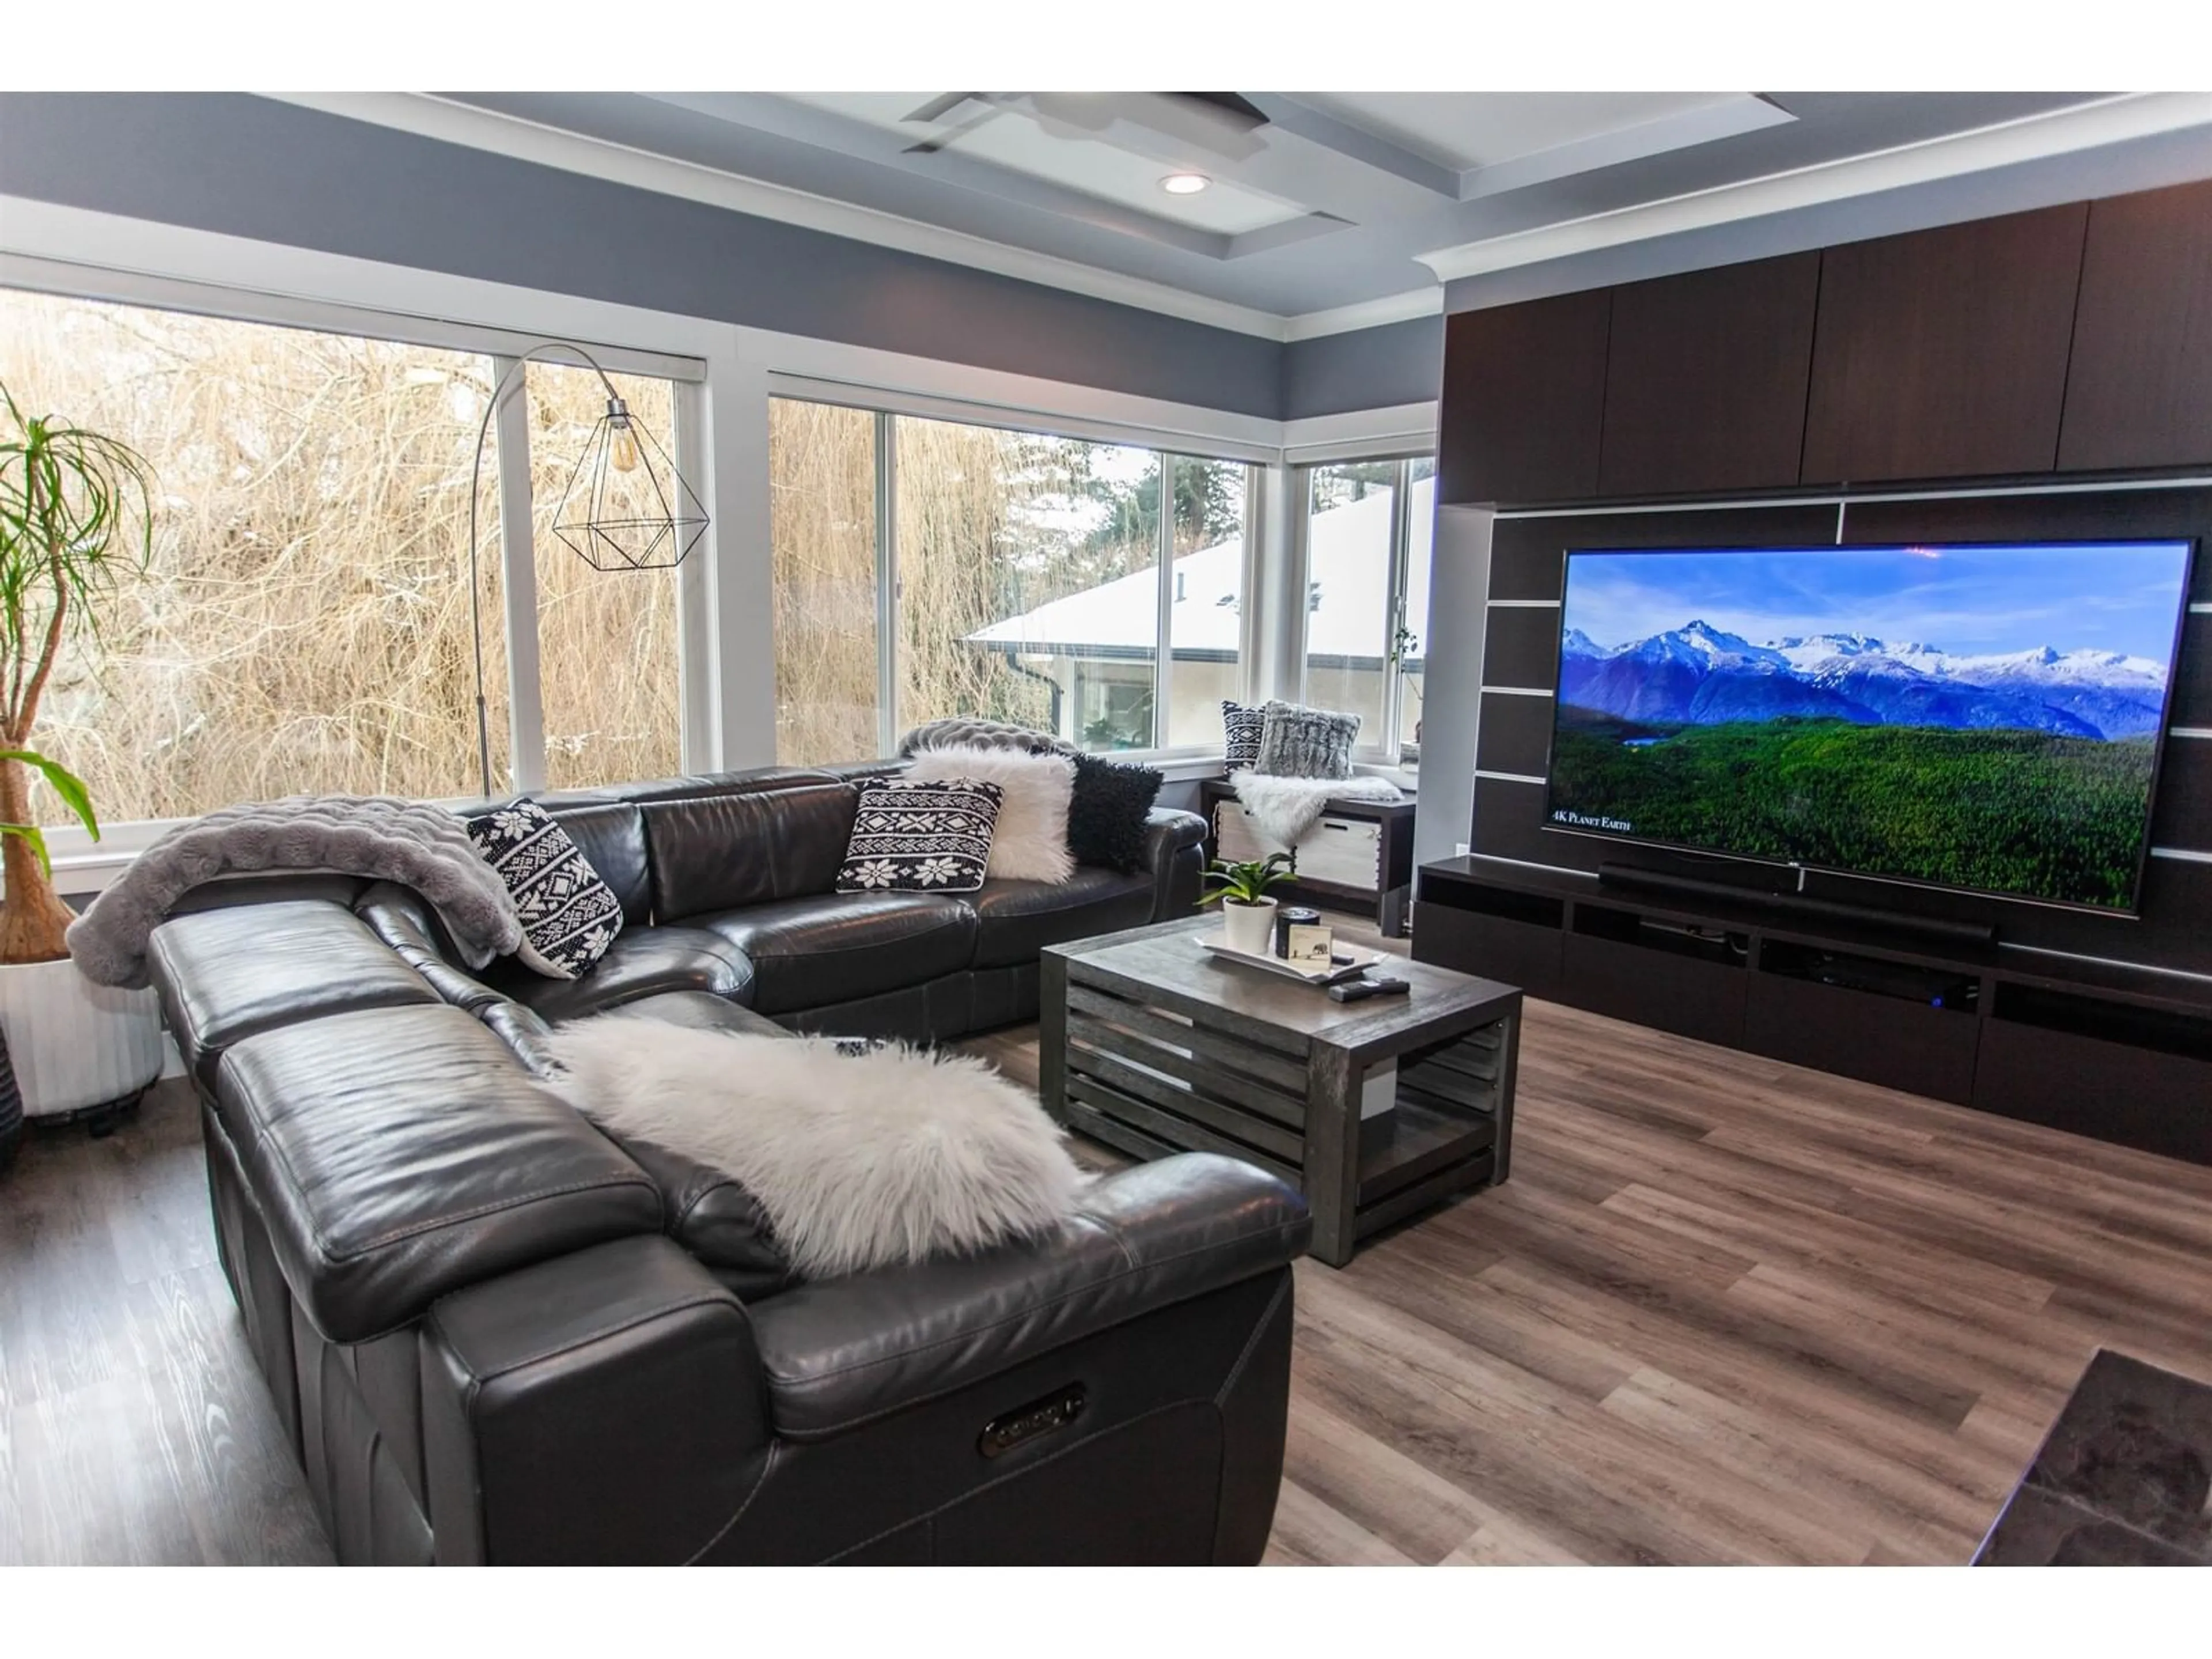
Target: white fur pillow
859,1161
1030,841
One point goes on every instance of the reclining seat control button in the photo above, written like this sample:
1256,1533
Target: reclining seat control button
1040,1417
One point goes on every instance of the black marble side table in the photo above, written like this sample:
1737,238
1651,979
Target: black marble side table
2123,1479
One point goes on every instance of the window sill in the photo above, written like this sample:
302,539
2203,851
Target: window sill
1407,778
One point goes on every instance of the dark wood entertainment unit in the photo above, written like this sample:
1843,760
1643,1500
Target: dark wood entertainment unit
2044,376
2120,1052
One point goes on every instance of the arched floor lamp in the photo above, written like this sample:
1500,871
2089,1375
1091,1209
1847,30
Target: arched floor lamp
604,531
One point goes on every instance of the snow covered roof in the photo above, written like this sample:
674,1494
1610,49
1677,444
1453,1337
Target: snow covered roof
1347,557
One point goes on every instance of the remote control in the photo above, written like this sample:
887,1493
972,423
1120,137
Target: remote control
1359,990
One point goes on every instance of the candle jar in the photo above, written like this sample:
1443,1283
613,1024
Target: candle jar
1288,916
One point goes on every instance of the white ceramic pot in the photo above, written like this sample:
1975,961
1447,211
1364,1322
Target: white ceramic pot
1249,927
73,1043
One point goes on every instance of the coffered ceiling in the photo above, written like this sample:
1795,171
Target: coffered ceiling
1318,211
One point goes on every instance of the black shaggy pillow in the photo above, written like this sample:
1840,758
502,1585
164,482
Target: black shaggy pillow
1106,822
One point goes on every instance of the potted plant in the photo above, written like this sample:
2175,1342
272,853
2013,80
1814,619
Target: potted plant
1248,914
75,515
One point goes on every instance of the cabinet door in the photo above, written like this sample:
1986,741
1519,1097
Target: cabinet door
2139,392
1942,354
1524,392
1705,379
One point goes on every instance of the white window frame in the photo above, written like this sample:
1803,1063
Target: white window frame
507,466
726,597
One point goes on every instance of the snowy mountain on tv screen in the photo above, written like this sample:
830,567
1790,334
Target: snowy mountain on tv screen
1701,675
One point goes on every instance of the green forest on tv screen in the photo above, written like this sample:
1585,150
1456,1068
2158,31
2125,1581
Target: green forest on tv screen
2001,812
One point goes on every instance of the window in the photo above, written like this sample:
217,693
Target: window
608,673
1206,598
305,624
1034,576
1368,540
822,526
1028,584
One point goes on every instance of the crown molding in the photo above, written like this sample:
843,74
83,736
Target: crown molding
1425,301
428,116
2083,126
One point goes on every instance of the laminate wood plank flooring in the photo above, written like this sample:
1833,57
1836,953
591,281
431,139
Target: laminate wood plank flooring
134,1426
1726,1310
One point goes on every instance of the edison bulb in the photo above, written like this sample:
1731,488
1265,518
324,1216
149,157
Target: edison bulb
623,451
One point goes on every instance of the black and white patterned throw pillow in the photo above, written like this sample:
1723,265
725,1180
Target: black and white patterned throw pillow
569,916
921,837
1245,726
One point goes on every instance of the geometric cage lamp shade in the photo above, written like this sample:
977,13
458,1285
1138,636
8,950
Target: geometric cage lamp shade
626,507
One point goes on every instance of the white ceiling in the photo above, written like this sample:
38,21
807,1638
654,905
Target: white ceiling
1331,210
1463,131
1020,140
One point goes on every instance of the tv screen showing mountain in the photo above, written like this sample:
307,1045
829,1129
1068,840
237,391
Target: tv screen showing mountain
1980,717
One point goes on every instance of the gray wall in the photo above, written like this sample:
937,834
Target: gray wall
1368,369
250,167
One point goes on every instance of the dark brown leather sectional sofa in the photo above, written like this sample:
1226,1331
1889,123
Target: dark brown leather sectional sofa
493,1332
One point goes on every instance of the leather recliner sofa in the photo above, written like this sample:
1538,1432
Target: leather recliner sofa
495,1334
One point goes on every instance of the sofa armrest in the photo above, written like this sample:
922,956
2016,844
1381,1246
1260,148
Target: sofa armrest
843,1352
602,1408
1174,843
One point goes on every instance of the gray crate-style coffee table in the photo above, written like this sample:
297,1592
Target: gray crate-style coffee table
1374,1109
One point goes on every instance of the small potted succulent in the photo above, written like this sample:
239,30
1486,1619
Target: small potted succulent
1248,914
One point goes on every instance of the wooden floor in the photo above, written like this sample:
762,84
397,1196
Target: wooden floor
1725,1310
134,1427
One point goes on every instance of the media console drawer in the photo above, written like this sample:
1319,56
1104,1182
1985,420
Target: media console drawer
1673,993
2116,1091
1877,1039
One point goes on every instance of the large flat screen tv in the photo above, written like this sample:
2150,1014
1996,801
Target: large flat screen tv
1979,717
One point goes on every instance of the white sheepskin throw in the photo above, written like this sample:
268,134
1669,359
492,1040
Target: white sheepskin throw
1286,809
1031,842
859,1161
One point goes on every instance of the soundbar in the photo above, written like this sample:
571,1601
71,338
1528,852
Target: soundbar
1935,929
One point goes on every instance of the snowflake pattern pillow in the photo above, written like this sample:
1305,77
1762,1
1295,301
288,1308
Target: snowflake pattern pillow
921,837
569,916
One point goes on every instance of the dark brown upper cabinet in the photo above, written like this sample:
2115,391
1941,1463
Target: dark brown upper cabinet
1705,379
1942,354
2140,390
1524,393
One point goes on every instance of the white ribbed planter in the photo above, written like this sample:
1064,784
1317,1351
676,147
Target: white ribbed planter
1249,927
73,1043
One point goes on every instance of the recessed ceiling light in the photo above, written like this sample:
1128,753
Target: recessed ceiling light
1184,184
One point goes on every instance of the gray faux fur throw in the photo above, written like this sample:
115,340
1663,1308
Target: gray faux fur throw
1286,809
960,732
375,836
